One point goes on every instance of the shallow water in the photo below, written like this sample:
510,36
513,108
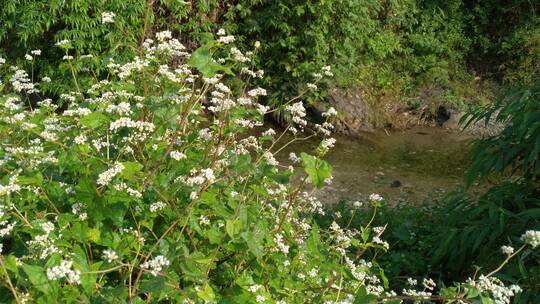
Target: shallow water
414,164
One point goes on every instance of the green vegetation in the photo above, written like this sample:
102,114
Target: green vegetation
404,55
132,168
462,233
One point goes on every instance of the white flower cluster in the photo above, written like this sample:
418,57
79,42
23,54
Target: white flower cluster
204,175
298,112
110,255
157,206
155,265
21,82
106,177
507,250
374,197
11,187
501,294
280,244
531,237
64,270
107,17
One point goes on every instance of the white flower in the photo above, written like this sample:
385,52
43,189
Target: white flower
46,79
374,197
157,206
226,39
28,57
106,177
36,52
164,35
508,250
64,270
330,112
294,158
79,140
204,221
63,43
109,255
312,86
531,237
107,17
176,155
155,265
260,298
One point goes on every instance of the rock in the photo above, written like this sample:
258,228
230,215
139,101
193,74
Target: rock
477,129
395,184
353,112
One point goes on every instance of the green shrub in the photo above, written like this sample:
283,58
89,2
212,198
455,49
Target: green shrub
143,187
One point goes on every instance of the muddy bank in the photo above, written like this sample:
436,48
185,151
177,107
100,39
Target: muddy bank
357,117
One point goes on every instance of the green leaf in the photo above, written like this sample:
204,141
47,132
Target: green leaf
31,180
130,169
207,293
93,120
317,169
362,297
153,285
254,240
233,227
37,277
201,59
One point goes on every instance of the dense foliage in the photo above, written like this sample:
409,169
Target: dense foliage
416,54
143,187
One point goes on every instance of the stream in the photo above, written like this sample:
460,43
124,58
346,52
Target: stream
415,164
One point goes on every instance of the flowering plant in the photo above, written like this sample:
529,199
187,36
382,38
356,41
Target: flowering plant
144,187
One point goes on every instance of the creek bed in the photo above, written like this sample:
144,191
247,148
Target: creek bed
413,164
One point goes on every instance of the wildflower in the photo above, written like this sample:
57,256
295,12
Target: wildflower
507,250
294,158
80,139
7,228
109,255
106,177
260,298
330,112
257,92
176,155
164,35
531,237
28,57
157,206
64,270
375,197
204,221
226,39
221,32
312,86
63,43
46,79
328,143
107,17
156,264
36,52
429,284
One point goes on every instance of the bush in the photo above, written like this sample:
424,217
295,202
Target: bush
143,187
